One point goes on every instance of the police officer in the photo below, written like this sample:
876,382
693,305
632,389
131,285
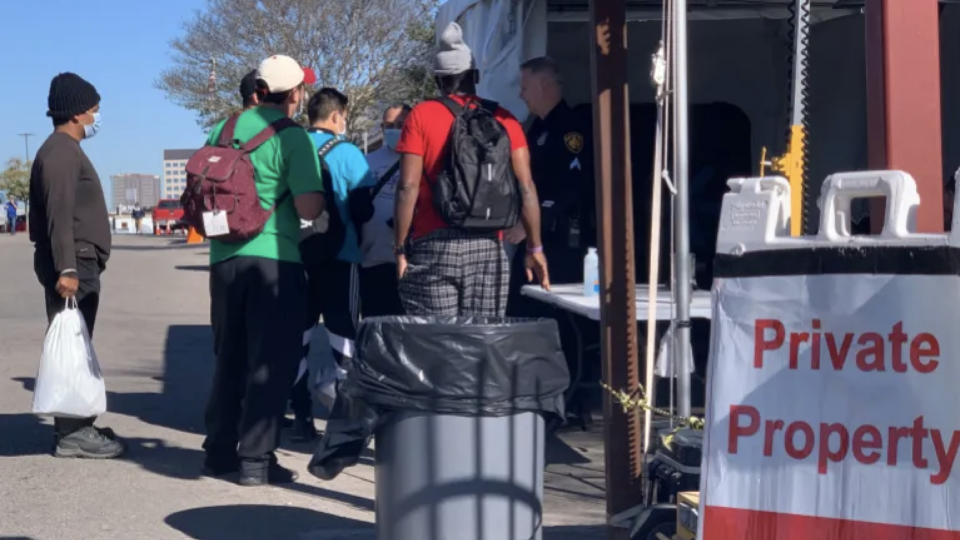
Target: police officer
561,160
561,154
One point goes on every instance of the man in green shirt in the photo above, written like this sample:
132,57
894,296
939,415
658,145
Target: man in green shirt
257,288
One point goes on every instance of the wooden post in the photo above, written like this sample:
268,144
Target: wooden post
618,323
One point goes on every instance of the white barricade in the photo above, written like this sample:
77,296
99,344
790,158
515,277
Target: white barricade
128,225
833,404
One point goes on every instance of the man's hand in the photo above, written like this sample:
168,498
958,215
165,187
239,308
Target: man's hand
515,234
536,265
401,266
67,286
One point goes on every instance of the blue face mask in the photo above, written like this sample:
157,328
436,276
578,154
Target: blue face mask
90,130
391,137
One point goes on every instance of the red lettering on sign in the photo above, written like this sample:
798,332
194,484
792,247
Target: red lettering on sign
872,354
806,432
861,444
924,346
836,442
760,343
736,430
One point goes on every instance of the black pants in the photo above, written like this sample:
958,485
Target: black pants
333,291
252,303
88,302
379,294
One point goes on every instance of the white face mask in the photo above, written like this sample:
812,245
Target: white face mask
343,130
90,130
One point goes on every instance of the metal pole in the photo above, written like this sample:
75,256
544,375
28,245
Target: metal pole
618,315
26,146
681,266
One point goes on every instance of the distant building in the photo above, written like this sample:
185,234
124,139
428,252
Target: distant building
174,173
107,184
128,189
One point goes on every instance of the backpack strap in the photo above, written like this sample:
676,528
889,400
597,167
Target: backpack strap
384,179
226,134
455,108
327,177
326,147
267,133
489,105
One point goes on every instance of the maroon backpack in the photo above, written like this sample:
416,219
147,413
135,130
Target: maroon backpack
221,178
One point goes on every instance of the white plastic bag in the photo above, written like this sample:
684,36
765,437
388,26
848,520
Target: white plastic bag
666,366
326,385
69,382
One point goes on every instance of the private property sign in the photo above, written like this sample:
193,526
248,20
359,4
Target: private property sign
834,399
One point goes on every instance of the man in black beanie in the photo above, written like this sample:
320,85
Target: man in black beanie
248,91
70,229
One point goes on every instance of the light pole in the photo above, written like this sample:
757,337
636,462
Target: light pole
26,146
26,160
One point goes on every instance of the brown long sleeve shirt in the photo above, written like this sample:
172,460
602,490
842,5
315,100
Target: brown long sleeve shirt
68,213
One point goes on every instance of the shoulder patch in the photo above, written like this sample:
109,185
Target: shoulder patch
574,142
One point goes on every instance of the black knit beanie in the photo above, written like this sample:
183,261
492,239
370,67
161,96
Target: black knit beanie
70,95
248,85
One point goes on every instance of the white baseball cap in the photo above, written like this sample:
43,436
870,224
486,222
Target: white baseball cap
281,73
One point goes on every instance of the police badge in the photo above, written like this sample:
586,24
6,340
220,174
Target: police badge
574,142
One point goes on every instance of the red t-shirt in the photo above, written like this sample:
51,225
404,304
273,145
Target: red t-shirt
425,134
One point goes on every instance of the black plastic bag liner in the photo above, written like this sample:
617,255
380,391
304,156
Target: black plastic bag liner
445,365
347,435
459,365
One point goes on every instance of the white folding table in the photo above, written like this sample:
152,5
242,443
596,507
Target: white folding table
570,299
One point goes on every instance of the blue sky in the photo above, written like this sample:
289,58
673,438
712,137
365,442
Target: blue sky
119,46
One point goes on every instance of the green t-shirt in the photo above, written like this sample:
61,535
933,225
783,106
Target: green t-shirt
286,162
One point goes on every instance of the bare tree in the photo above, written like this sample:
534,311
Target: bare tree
414,81
15,178
357,46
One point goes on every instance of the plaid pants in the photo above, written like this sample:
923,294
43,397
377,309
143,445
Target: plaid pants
453,272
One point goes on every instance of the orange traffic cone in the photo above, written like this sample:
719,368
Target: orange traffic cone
193,237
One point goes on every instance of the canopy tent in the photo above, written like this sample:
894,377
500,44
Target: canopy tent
739,54
504,33
501,34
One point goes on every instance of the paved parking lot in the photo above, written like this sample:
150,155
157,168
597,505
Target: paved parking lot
153,342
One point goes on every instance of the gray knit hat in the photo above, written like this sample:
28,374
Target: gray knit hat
454,56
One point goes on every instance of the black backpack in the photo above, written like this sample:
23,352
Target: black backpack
476,190
323,239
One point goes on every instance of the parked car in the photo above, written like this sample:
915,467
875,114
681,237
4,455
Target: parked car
168,211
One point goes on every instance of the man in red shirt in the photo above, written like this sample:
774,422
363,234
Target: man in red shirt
445,270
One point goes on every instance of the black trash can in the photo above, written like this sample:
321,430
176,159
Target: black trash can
457,406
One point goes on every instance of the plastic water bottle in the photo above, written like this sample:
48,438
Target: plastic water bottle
591,273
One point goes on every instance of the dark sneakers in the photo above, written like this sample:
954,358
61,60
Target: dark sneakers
303,430
221,467
264,472
252,472
90,443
